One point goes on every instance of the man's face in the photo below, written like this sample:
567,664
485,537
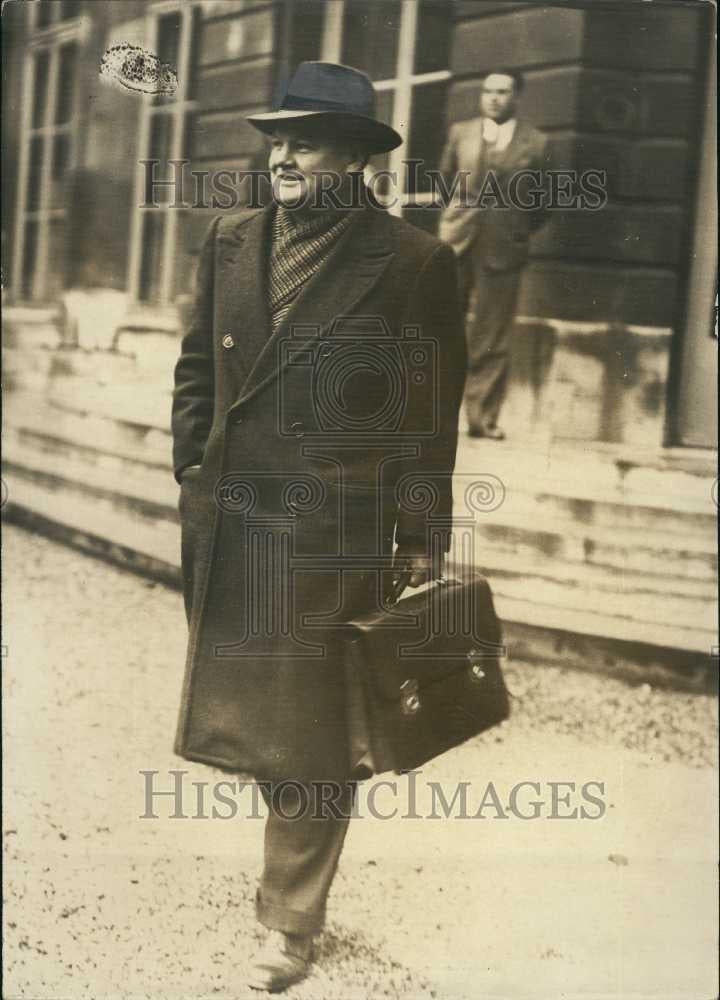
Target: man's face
297,161
498,99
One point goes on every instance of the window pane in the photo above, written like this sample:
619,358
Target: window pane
168,40
40,86
151,261
161,136
384,108
305,32
60,162
384,102
168,47
57,259
34,172
161,132
191,82
45,11
29,259
427,131
69,8
66,83
370,37
233,38
433,36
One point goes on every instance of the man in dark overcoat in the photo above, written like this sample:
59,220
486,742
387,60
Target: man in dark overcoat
488,224
324,361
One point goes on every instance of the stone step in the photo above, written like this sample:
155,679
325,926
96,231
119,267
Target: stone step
116,482
78,437
93,367
146,544
151,546
671,636
43,332
628,610
69,419
560,550
136,514
572,542
610,512
151,491
620,485
679,480
587,579
618,549
115,391
140,401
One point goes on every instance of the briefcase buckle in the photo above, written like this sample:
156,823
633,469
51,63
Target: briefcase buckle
410,700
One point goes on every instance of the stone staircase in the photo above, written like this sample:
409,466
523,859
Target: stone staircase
599,556
603,543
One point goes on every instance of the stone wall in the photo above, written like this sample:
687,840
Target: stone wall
616,91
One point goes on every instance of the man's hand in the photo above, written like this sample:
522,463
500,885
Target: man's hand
192,469
420,566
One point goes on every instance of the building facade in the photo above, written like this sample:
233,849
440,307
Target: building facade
615,322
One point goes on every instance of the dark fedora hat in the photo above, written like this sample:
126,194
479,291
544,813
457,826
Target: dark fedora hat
339,96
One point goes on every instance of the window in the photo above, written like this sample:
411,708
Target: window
48,13
403,45
229,55
163,137
47,149
223,52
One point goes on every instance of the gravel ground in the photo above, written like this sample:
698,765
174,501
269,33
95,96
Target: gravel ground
94,906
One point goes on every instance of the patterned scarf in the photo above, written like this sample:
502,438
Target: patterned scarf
299,247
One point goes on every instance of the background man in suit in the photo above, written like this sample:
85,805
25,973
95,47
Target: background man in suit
296,308
491,242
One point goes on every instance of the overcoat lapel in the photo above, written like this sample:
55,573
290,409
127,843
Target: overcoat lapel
352,268
243,253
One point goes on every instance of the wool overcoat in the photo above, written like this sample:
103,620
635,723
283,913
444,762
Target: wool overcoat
305,439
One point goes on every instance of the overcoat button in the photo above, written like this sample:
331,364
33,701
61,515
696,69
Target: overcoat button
228,342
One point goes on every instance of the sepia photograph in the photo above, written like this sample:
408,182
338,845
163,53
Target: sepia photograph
359,500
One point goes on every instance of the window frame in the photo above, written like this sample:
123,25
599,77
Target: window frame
50,38
179,110
402,85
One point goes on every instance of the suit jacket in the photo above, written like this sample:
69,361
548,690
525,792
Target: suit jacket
499,235
286,421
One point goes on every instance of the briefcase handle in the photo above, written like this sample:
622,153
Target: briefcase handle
399,585
402,581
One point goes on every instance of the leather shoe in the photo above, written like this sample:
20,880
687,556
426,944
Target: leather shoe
495,433
283,960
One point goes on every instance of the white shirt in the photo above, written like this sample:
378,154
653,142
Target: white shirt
499,136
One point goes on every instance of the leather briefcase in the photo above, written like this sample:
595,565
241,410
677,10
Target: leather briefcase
430,671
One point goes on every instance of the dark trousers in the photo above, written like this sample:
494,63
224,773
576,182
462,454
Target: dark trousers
490,298
304,836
